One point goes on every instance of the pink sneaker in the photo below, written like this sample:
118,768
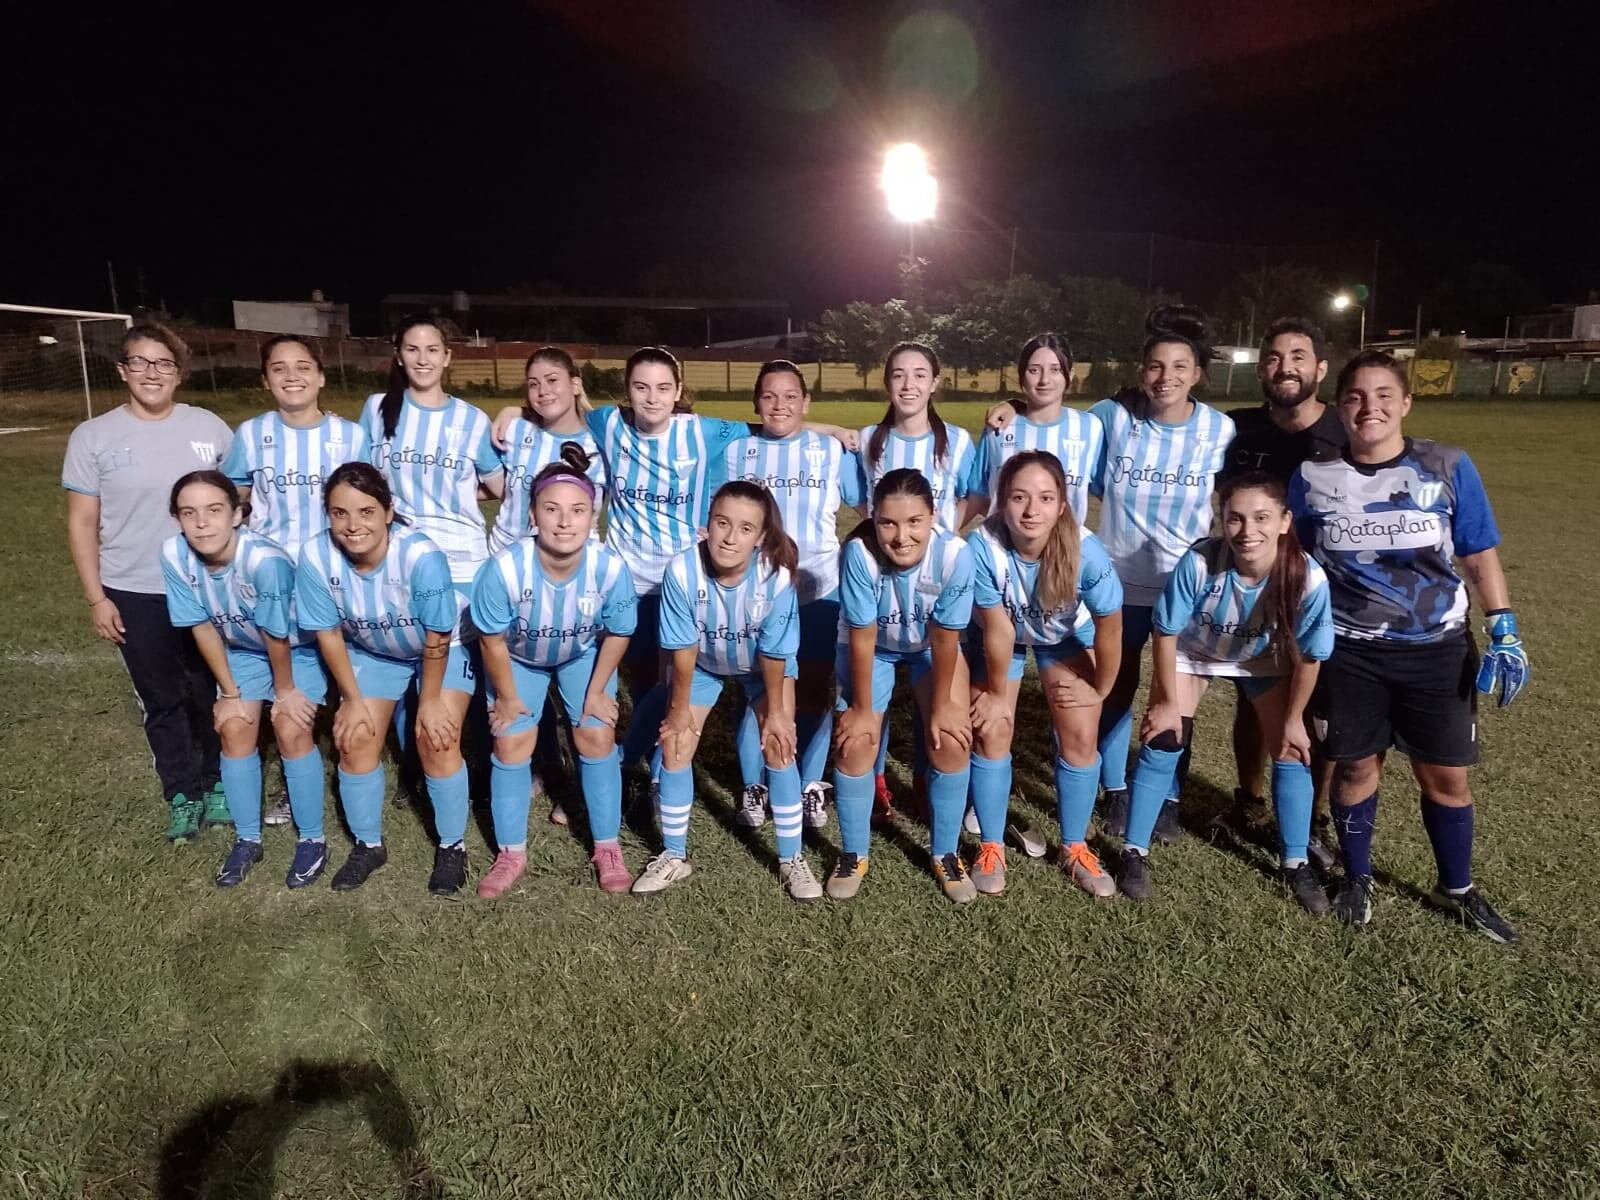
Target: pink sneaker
508,868
612,871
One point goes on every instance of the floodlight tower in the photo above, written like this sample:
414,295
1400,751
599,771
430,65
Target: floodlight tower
910,189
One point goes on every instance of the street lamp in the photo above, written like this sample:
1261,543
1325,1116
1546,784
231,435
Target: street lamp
912,192
1343,301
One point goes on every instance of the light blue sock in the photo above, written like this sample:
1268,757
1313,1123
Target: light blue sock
947,798
815,731
1116,734
1291,798
991,794
677,798
747,740
510,791
1152,780
241,783
644,731
602,795
362,796
1075,793
883,746
449,798
783,788
302,778
852,796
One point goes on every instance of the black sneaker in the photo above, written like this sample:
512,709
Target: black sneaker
1321,855
1133,876
1352,904
1473,911
449,871
363,861
1168,829
1306,888
1114,813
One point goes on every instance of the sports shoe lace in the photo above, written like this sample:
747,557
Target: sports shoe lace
847,864
1079,855
991,858
951,863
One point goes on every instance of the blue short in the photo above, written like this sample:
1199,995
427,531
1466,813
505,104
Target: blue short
920,662
252,671
1252,686
646,641
706,687
1043,656
572,682
388,678
819,629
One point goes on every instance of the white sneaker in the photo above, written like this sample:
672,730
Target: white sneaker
752,813
970,823
278,813
660,873
814,804
798,880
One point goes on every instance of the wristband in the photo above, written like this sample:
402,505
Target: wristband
1502,623
221,695
95,603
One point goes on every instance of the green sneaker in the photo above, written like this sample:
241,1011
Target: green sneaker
216,805
186,824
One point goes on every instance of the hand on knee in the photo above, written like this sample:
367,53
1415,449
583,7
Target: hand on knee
1170,742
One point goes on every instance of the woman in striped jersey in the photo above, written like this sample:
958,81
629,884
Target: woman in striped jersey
905,593
384,608
434,450
235,589
1040,581
728,612
1043,422
809,477
533,437
1252,606
280,458
557,606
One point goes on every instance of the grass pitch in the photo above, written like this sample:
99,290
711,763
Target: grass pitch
161,1038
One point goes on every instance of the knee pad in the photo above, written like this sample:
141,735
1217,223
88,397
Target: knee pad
1171,742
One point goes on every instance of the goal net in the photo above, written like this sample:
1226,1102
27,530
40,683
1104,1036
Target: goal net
58,364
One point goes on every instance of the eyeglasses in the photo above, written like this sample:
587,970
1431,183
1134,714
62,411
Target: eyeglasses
138,363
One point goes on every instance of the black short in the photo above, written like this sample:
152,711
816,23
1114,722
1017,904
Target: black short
1421,699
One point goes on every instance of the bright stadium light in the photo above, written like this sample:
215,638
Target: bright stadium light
1241,356
1341,302
1344,301
909,187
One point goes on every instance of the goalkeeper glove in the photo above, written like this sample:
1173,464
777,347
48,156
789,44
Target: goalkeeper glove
1505,662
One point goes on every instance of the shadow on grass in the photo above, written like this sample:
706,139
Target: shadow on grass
230,1146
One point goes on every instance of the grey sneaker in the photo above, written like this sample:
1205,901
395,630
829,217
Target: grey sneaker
1114,813
953,879
814,804
752,813
1352,904
1133,880
798,879
989,869
660,873
1473,911
1027,839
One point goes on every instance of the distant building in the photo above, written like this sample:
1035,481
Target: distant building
315,317
1574,322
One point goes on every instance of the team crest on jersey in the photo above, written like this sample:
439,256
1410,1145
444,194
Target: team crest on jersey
453,436
336,435
397,591
332,449
247,592
683,462
1427,494
587,605
929,586
207,451
758,607
815,456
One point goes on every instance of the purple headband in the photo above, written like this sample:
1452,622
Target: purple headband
582,481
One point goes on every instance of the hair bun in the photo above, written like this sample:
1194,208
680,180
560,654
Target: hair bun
1185,321
574,455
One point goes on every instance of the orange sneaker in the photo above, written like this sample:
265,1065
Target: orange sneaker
1084,869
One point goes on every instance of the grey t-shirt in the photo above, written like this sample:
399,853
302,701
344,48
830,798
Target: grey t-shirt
131,465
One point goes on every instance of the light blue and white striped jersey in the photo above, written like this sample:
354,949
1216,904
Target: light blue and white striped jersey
284,468
1077,439
252,595
904,604
1003,578
529,450
548,622
433,465
1156,485
388,611
951,478
1224,625
731,625
809,476
659,487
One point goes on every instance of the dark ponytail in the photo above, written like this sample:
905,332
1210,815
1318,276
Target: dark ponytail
880,435
572,460
1286,582
212,478
777,547
395,394
1164,324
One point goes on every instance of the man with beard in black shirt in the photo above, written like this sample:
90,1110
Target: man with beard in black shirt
1292,426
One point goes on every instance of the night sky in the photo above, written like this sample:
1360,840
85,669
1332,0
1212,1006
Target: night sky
730,148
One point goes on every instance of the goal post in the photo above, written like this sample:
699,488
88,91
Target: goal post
50,354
